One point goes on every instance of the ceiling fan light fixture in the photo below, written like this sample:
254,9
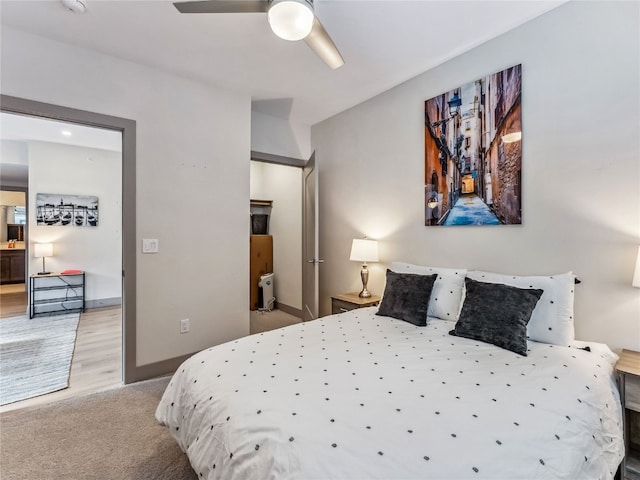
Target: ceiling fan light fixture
76,6
291,19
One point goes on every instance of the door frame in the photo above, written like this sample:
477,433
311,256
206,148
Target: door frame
304,166
310,244
127,127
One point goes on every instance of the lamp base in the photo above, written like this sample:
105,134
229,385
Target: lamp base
364,276
44,273
365,294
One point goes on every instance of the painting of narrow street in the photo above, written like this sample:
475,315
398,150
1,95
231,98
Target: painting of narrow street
473,153
471,210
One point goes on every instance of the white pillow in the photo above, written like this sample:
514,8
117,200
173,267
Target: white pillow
446,296
552,319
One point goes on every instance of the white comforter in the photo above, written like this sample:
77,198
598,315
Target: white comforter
358,395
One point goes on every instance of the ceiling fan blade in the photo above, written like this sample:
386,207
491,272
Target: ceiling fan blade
321,43
223,6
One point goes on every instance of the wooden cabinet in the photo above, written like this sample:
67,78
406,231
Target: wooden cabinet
260,262
56,293
350,301
12,267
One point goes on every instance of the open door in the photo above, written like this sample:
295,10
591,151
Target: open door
310,256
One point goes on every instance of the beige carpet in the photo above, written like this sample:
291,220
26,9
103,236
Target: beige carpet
265,321
105,436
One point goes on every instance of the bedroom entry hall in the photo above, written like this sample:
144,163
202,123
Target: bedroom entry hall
63,337
275,246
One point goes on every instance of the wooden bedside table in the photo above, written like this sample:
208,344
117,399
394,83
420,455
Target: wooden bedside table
628,370
350,301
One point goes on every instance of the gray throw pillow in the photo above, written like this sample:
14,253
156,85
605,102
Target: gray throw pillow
497,314
406,297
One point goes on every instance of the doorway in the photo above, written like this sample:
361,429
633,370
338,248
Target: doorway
127,131
306,235
70,163
13,218
275,245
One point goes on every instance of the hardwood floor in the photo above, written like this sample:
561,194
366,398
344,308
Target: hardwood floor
13,303
13,288
97,358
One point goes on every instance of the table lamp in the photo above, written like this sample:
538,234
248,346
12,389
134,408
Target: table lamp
364,250
43,250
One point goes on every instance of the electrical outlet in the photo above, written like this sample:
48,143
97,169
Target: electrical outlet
184,326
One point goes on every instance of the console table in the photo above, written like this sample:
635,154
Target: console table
56,293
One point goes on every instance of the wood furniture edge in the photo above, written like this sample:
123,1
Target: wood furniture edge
629,362
352,297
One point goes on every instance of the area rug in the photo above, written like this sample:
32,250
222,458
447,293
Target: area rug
35,355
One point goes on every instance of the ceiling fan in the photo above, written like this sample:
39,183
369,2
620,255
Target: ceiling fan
289,19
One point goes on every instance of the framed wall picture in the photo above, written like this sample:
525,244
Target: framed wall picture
473,153
66,210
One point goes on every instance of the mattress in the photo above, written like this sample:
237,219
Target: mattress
358,395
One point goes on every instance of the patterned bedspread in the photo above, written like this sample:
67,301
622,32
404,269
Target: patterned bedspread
358,395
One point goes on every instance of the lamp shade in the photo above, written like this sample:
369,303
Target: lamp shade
636,274
43,250
290,19
363,250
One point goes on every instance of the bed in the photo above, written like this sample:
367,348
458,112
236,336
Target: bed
362,395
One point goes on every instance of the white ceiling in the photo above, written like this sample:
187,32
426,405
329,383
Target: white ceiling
23,128
20,128
383,42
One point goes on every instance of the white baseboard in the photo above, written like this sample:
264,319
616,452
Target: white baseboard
296,312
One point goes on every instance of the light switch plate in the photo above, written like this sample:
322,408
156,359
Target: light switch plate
150,245
185,326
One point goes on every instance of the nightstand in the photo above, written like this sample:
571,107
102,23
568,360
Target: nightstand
628,370
350,301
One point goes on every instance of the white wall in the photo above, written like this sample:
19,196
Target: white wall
580,167
283,185
13,198
279,136
70,170
13,163
192,184
13,152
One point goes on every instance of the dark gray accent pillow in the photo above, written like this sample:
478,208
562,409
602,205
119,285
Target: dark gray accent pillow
406,297
497,314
